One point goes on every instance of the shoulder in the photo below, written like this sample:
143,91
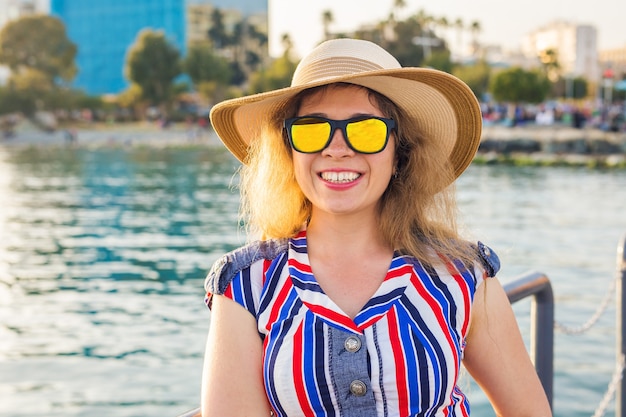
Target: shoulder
232,263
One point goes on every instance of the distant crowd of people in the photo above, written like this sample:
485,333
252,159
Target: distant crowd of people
610,118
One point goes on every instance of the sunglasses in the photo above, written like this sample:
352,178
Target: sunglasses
363,134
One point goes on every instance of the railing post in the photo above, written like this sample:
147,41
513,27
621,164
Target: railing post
542,323
620,324
542,340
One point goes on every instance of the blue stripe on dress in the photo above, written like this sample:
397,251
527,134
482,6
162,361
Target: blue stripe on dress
432,348
272,279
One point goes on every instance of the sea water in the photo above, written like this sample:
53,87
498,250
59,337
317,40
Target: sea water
103,254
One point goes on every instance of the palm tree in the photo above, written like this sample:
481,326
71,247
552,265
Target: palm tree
475,28
398,5
442,23
327,19
387,28
287,44
550,62
459,26
217,33
425,20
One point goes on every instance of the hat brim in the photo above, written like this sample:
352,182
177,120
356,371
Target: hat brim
440,106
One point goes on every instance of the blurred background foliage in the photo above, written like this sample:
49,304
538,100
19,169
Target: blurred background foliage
230,63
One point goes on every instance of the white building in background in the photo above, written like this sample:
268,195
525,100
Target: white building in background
575,44
13,10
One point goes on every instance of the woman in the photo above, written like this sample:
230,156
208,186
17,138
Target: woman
360,298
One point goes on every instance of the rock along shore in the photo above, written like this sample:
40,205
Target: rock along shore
552,145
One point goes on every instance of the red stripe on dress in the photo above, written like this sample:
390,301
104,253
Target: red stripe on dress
266,266
300,266
439,316
229,292
453,270
298,372
278,303
332,316
398,356
462,284
398,272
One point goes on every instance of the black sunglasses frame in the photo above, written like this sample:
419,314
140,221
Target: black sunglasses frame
341,125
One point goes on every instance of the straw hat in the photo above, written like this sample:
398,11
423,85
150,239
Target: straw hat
440,105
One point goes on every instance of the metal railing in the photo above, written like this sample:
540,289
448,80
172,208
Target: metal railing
192,413
538,286
620,325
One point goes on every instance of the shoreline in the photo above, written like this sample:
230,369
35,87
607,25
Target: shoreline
529,145
555,145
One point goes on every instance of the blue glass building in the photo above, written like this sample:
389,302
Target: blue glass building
104,30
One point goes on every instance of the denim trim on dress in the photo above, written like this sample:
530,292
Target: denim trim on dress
489,258
229,265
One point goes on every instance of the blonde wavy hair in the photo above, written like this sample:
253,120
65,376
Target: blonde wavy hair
417,211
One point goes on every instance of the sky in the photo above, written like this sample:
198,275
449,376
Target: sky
503,22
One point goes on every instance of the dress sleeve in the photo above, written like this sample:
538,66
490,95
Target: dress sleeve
489,260
238,275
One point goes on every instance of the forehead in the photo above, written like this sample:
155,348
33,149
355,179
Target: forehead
341,95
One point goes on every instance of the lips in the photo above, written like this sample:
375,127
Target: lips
341,177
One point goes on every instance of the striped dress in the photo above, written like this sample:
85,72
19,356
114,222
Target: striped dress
400,356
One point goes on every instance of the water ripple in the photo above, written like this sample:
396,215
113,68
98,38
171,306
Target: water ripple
103,253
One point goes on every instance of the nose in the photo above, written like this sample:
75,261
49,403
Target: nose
338,145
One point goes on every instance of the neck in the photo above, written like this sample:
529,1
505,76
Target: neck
345,234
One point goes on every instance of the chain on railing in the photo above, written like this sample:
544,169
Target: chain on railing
594,318
618,374
620,365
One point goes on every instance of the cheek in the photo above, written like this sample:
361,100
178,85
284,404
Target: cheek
388,158
301,167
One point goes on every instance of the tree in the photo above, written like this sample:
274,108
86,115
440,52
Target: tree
414,43
579,88
459,26
443,24
516,85
153,64
440,60
39,43
327,19
217,32
202,65
131,99
398,5
427,38
211,74
475,76
278,75
287,44
30,89
475,29
570,88
550,61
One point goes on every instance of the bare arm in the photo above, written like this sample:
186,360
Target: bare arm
497,358
232,381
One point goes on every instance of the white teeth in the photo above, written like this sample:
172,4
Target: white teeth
339,177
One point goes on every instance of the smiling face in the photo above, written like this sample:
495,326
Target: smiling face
338,180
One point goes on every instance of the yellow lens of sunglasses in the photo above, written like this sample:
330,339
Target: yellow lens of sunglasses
310,135
367,136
